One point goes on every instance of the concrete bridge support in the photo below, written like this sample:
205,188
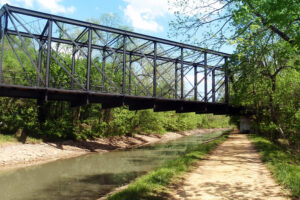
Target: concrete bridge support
245,124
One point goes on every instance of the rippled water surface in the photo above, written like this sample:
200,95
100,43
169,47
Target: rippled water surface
90,176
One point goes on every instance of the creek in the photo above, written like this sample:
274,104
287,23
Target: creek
94,175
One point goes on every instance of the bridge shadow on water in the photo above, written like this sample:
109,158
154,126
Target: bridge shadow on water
84,188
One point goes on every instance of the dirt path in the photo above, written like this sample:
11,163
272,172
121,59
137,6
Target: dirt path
18,155
233,171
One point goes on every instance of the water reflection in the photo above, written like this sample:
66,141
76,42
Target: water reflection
91,176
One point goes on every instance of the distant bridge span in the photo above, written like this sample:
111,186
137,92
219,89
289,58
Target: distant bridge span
49,57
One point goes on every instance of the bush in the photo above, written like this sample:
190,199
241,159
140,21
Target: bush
91,121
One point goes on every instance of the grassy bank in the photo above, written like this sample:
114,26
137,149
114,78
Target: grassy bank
150,185
283,164
13,139
7,138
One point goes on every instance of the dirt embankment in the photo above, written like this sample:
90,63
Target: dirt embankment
17,155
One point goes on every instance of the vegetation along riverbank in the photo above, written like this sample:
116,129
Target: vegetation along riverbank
284,165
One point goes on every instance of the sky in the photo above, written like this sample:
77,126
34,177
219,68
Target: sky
149,17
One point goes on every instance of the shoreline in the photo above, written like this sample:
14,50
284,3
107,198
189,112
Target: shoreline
17,155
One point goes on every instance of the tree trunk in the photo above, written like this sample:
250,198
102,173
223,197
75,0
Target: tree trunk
76,114
101,114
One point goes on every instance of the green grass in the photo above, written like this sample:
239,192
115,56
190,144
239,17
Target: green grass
12,138
7,138
150,185
284,165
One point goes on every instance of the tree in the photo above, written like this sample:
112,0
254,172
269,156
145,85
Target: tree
229,20
265,65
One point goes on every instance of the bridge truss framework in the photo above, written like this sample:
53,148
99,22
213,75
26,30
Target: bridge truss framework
81,62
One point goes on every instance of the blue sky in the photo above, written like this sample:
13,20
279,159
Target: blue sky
150,17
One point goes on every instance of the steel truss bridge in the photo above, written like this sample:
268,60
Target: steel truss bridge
70,60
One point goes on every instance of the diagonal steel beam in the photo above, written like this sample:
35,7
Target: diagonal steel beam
94,46
44,30
20,62
79,48
115,54
151,64
23,43
199,82
81,35
38,41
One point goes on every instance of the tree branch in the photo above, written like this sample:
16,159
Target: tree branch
271,27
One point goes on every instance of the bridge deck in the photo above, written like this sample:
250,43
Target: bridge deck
77,97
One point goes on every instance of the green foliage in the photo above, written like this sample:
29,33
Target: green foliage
18,114
151,122
266,81
124,122
283,164
91,121
148,186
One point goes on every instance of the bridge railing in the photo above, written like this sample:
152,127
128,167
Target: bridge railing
40,50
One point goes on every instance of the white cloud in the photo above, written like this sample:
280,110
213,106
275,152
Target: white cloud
28,3
144,14
54,6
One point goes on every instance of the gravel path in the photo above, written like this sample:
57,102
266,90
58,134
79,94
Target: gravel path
233,171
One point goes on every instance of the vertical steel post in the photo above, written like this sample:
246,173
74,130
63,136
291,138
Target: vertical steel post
103,69
154,69
50,22
176,80
3,30
181,74
129,74
1,61
73,66
226,81
1,27
89,57
39,64
213,85
124,66
195,82
205,77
